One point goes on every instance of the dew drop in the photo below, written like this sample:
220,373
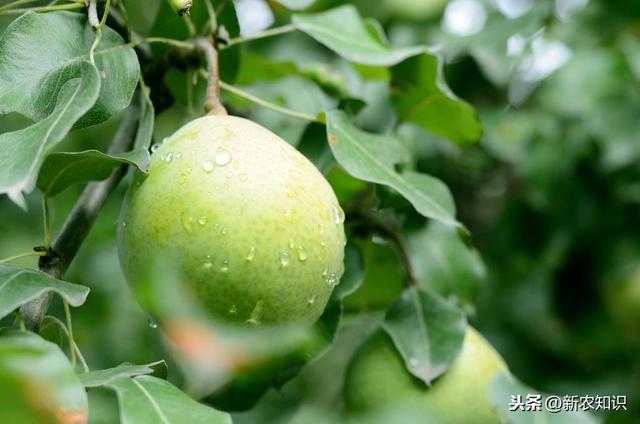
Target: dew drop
223,231
202,220
218,187
338,215
311,300
242,178
325,272
183,179
208,166
251,254
225,265
229,175
321,229
154,147
332,280
187,223
291,244
193,152
323,243
256,314
222,158
302,254
168,157
124,224
236,164
284,258
153,324
233,310
208,262
178,155
413,362
245,201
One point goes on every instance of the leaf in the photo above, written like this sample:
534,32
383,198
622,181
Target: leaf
445,264
146,399
144,134
505,387
296,4
43,377
421,96
427,331
343,30
372,158
22,151
353,272
60,170
104,377
20,285
39,53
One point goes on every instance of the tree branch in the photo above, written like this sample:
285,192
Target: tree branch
81,219
212,104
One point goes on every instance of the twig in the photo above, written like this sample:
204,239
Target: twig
265,103
212,104
258,35
370,219
80,220
72,342
42,9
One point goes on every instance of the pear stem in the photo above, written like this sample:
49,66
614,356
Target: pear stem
212,104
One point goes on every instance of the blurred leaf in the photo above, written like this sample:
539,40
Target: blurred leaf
105,377
62,169
346,33
152,400
445,264
44,376
422,97
296,4
373,158
20,285
40,53
505,387
427,331
313,146
22,151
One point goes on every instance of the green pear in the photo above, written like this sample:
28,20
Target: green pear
377,378
255,228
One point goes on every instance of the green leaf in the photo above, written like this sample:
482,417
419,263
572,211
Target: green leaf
22,151
144,134
146,399
104,377
60,170
421,96
39,53
372,158
43,377
296,4
427,331
20,285
353,272
505,387
445,264
343,30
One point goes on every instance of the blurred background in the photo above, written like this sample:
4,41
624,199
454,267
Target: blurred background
551,194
